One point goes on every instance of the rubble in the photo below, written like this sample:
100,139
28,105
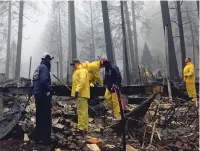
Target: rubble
175,136
10,119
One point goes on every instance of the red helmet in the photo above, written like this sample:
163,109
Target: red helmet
102,60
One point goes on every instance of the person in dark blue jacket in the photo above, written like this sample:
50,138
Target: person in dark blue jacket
43,93
112,77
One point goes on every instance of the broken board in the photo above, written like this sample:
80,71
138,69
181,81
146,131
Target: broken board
130,148
93,147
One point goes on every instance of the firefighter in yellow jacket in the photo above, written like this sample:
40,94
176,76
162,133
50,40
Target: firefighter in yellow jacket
94,72
81,91
146,73
189,78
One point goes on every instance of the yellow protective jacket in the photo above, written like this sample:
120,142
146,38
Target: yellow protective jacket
189,72
146,73
80,82
94,72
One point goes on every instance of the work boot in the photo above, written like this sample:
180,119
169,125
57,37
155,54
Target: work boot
81,132
33,137
49,141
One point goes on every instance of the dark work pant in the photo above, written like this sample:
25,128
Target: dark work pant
43,117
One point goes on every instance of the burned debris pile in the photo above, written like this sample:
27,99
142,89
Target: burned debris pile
153,124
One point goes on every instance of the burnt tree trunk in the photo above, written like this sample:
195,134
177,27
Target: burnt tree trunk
57,44
192,34
127,46
126,67
129,32
14,55
73,28
92,32
135,33
196,36
107,32
19,41
198,7
8,42
69,58
173,68
181,33
60,46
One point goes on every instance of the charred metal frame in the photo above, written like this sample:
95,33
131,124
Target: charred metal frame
60,90
63,91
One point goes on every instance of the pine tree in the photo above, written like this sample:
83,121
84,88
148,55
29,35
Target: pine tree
147,59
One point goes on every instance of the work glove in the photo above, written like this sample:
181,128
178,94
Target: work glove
114,86
95,85
48,93
118,86
76,94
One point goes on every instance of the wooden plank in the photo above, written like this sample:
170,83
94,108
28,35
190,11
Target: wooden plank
94,140
130,148
93,147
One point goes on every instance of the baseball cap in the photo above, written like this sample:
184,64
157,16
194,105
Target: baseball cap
74,61
47,55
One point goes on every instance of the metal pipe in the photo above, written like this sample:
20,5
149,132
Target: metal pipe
62,82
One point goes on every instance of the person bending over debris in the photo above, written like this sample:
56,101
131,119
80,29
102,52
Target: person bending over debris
112,77
94,73
81,91
94,78
43,94
189,78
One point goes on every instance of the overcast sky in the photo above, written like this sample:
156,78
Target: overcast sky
33,46
33,33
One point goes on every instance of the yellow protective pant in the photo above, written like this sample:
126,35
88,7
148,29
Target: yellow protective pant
112,103
82,110
191,90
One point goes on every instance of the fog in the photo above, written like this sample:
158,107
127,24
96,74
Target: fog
35,39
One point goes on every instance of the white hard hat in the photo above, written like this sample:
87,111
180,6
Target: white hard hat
47,55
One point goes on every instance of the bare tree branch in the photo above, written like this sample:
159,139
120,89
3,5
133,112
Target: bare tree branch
188,11
181,3
176,36
156,14
173,21
188,22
